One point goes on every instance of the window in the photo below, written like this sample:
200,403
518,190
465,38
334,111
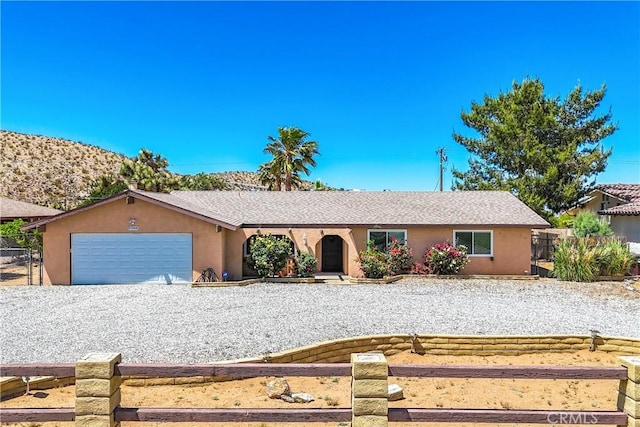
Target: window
383,238
477,242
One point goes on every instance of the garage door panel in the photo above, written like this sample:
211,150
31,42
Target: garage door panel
131,258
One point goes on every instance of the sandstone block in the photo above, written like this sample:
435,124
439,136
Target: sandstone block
630,388
632,363
97,387
97,365
369,388
370,421
369,366
370,406
630,406
96,421
97,405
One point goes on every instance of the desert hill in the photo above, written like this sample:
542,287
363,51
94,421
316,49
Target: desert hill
58,173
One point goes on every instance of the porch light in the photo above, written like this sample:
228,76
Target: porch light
304,239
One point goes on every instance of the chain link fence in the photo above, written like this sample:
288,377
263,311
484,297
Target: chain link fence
19,266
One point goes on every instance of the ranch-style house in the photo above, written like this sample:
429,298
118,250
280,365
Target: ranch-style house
146,237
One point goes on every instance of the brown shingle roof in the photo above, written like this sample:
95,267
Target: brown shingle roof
12,209
459,208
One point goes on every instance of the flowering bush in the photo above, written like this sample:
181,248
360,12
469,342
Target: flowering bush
400,257
373,262
444,258
420,268
306,264
269,255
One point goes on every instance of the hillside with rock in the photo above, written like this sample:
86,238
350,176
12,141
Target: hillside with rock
49,171
58,173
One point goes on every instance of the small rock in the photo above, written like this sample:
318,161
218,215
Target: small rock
302,397
394,392
287,398
278,387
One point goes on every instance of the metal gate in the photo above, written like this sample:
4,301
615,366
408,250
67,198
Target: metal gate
20,266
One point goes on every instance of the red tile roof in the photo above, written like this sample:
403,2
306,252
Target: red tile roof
627,192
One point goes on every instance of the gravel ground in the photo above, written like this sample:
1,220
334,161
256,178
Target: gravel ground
189,325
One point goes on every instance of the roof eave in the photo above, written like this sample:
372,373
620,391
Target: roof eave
136,195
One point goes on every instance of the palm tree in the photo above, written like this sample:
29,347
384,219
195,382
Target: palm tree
270,176
292,155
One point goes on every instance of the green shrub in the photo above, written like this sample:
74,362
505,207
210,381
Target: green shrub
11,231
582,259
306,264
575,261
613,258
588,224
444,258
269,255
373,262
400,257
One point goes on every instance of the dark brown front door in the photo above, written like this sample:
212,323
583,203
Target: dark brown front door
332,254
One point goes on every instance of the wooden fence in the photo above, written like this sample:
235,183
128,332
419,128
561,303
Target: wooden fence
98,379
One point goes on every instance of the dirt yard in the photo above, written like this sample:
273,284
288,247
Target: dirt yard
596,395
19,275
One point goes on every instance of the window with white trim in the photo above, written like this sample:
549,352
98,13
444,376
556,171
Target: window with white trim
478,242
382,238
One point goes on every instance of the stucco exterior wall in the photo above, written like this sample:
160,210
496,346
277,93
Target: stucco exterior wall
511,248
113,217
627,226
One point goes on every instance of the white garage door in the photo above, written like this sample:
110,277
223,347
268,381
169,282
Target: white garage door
110,258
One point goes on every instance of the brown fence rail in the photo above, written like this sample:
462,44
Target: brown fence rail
175,415
515,372
19,415
506,416
251,370
237,370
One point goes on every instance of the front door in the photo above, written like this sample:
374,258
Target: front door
332,254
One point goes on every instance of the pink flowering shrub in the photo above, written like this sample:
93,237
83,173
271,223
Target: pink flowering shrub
400,257
373,262
420,268
443,258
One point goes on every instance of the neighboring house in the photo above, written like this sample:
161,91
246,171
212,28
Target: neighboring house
12,209
145,237
618,204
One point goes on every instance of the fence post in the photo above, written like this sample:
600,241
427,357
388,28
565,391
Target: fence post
369,390
97,390
629,390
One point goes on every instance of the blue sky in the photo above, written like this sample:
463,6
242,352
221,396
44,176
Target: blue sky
379,85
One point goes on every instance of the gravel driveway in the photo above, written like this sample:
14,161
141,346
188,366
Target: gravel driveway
187,325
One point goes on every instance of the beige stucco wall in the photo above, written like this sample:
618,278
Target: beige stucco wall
622,225
113,217
511,247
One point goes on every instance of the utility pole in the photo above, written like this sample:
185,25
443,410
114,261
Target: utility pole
443,158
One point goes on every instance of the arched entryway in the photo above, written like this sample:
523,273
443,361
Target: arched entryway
332,254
